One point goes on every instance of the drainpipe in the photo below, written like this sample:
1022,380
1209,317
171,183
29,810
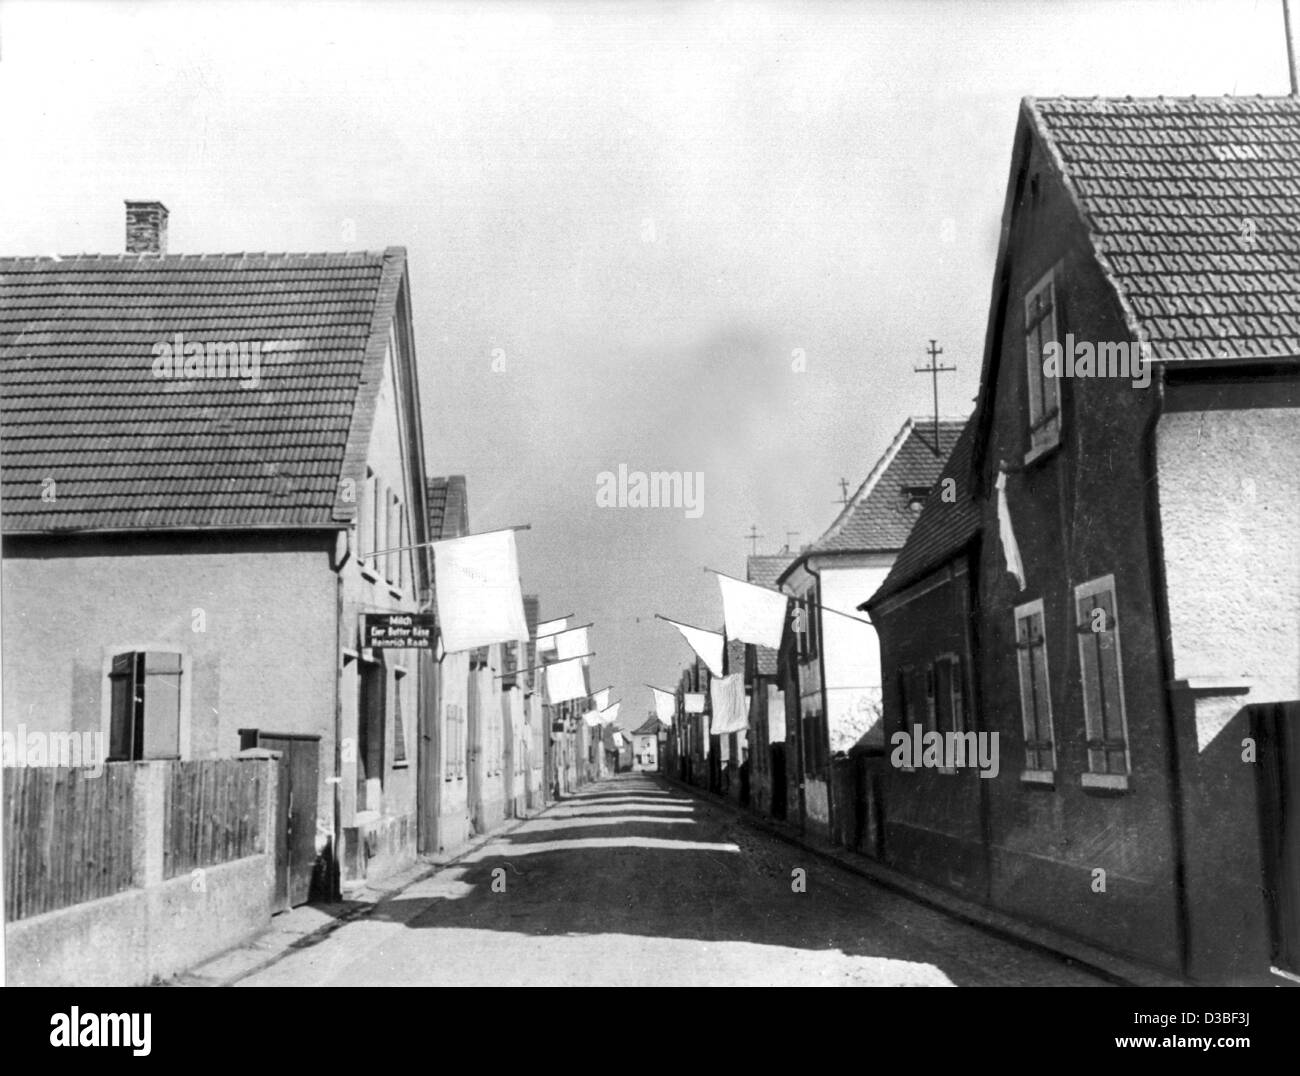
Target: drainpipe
1160,595
336,882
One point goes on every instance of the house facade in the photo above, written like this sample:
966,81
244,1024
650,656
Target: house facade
212,470
1125,614
833,684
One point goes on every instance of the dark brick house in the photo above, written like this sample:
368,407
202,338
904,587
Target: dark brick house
1138,671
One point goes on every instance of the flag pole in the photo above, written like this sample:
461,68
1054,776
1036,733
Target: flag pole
773,590
550,620
552,634
534,668
439,541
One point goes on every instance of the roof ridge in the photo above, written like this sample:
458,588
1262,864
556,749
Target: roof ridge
241,255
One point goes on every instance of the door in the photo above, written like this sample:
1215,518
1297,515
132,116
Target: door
1276,728
296,859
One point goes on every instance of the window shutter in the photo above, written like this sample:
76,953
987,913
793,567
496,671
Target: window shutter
399,727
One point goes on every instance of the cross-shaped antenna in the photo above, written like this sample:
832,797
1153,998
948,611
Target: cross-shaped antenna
753,537
844,492
934,370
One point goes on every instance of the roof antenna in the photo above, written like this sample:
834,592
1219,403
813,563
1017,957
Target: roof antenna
1290,47
934,369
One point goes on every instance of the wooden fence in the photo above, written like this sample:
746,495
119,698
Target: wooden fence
214,813
72,837
68,836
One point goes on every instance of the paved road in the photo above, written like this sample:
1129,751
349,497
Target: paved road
634,882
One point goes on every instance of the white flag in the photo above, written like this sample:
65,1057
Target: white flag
753,614
694,702
565,680
708,644
1007,535
479,599
571,644
601,699
547,631
665,705
591,718
610,714
729,714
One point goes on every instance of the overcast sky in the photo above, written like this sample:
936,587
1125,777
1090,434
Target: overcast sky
648,213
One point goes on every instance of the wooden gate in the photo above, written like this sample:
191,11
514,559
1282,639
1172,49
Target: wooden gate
295,837
1277,734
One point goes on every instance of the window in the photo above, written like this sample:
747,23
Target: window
402,556
950,710
813,612
1097,627
931,709
1035,691
144,706
399,719
379,497
392,562
1044,391
454,759
370,734
914,497
365,519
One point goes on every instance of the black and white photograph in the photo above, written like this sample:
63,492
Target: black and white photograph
662,493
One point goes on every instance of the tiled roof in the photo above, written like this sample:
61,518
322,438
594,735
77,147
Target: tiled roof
878,517
1193,208
943,527
448,507
764,569
651,727
735,656
125,449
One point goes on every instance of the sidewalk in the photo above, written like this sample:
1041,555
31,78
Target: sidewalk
1105,965
309,924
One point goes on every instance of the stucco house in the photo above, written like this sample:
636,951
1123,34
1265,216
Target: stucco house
213,467
645,745
832,685
1114,595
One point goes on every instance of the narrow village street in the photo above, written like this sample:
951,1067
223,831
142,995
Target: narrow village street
636,882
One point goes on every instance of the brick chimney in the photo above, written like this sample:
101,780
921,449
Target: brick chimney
146,228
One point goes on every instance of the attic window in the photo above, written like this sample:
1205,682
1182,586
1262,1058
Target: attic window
914,497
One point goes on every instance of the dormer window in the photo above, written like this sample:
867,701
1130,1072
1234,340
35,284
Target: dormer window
1044,390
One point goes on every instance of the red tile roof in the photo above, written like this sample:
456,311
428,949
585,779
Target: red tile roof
878,517
944,527
1193,209
126,449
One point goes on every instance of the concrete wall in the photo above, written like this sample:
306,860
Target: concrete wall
134,937
1229,480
